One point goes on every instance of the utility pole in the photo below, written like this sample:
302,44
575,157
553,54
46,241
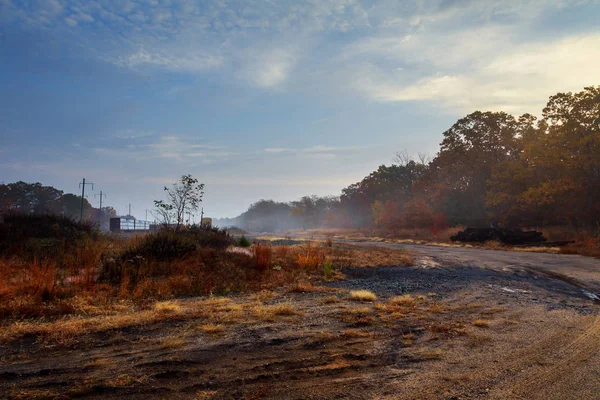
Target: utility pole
101,194
82,186
146,220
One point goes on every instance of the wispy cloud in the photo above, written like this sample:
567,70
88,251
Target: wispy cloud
174,148
516,80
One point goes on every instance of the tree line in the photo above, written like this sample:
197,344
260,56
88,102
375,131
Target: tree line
35,198
491,168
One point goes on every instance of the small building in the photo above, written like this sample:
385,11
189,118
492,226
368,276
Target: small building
128,223
206,222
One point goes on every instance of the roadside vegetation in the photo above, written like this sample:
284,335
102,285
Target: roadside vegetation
52,268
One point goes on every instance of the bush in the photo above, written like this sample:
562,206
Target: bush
262,256
244,242
214,238
42,235
162,246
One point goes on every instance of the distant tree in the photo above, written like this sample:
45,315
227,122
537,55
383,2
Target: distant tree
28,197
70,206
102,216
183,197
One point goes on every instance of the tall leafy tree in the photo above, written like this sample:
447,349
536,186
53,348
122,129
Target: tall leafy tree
457,177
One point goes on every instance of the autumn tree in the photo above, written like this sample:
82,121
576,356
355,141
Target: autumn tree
456,179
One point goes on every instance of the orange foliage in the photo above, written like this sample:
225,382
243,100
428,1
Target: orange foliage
262,256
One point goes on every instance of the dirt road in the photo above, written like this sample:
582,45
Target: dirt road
473,324
580,271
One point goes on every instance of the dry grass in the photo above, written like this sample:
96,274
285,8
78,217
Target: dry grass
355,333
362,295
99,363
167,307
431,354
330,300
405,300
586,245
212,329
171,342
270,312
481,323
262,256
310,257
476,340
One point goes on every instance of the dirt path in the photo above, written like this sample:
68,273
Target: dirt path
580,271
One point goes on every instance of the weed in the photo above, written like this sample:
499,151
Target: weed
310,258
328,269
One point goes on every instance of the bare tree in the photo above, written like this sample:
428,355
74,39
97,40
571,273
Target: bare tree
183,197
402,157
424,158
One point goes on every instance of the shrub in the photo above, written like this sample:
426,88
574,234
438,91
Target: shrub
162,246
244,242
41,235
204,236
262,256
310,259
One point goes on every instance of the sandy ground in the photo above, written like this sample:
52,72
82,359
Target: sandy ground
488,325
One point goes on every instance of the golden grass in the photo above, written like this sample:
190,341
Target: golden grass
330,299
269,312
405,300
212,329
362,295
431,354
263,295
481,323
167,307
355,333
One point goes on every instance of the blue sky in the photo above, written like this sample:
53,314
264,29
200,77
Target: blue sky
266,99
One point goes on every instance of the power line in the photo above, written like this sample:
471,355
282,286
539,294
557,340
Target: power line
82,186
101,195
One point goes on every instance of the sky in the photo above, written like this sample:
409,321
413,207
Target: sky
266,99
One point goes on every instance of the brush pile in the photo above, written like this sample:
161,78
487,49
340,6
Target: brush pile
502,235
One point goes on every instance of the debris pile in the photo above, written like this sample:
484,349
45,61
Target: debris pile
502,235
